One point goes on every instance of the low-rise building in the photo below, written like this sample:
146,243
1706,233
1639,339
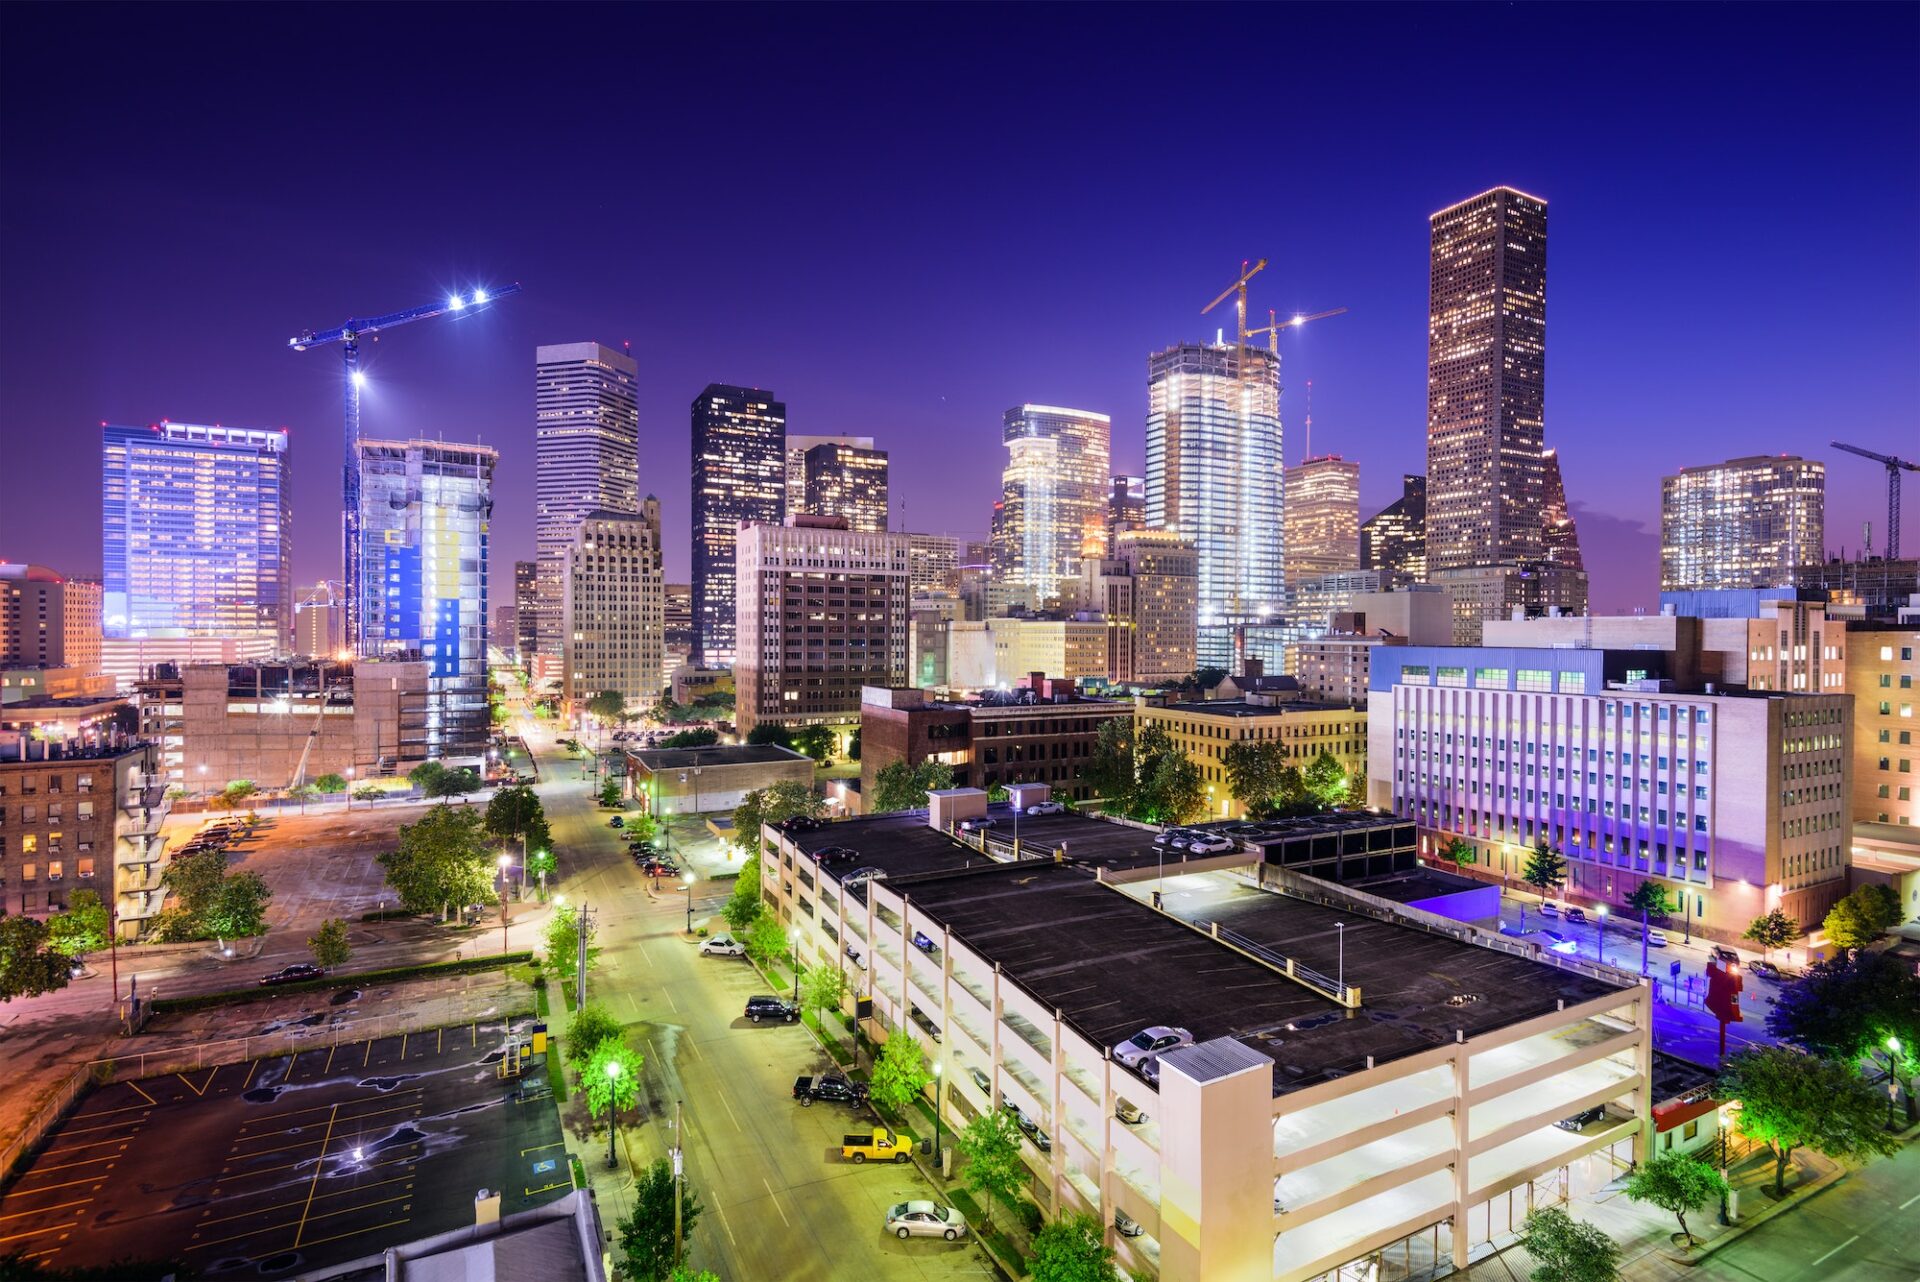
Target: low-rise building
690,683
1304,730
1044,733
692,781
1361,1089
992,654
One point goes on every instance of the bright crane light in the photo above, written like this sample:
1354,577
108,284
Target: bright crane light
456,302
359,378
479,297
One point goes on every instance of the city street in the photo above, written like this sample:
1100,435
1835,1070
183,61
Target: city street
1859,1230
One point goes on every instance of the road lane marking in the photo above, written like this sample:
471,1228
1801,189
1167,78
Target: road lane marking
60,1206
319,1166
541,1148
723,1104
1836,1250
197,1090
789,1223
135,1088
1910,1201
328,1067
670,1002
51,1228
250,1072
723,1224
283,1206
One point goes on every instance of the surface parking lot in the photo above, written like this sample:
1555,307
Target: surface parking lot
271,1166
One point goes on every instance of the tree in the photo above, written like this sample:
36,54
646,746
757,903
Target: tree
685,1274
611,1077
1071,1248
369,792
822,988
81,928
1291,797
562,938
1326,780
1775,930
29,964
900,1071
774,804
1174,793
1459,852
1862,916
853,747
511,811
329,944
1546,868
330,784
239,791
1568,1250
303,793
997,793
425,775
646,1235
1206,678
898,786
769,732
701,738
608,705
1109,770
453,783
743,906
766,939
589,1026
815,741
1677,1183
1253,774
1650,897
610,791
1847,1007
1790,1100
239,906
193,881
993,1172
441,861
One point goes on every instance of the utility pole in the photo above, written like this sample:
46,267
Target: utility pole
582,921
679,1168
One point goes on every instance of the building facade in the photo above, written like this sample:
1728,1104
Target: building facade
1214,475
48,620
1882,671
838,478
1053,497
316,622
1323,518
1204,731
739,476
425,511
1394,539
615,609
526,612
1879,588
1126,506
586,443
1023,737
679,626
196,532
822,613
1745,523
1561,537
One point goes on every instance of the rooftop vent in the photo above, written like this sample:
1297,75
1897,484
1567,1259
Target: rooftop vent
1463,999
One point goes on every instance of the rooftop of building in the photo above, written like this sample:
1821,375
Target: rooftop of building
61,753
1414,885
1242,708
66,703
734,754
29,573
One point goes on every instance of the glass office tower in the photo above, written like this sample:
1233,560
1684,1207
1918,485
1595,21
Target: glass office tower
739,475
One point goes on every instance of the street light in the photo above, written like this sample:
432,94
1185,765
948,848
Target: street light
349,775
1600,933
613,1113
1893,1082
506,862
936,1112
687,881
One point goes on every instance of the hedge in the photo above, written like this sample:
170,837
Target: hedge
425,970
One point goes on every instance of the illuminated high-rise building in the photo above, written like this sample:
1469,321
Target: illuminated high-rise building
1745,523
1126,506
739,476
797,447
424,512
1559,536
1053,496
196,532
1214,476
526,611
586,459
1323,518
48,620
842,479
1486,401
1394,539
934,561
615,609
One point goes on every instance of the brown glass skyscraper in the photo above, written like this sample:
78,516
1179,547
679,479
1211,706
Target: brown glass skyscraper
739,475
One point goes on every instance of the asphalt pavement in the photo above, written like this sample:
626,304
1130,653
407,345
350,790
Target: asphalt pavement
1861,1229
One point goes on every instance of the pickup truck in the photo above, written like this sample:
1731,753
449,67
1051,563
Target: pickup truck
882,1145
831,1087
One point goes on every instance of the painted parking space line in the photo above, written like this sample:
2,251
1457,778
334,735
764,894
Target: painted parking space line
319,1169
134,1122
287,1206
17,1191
121,1140
111,1157
135,1088
46,1210
41,1232
411,1093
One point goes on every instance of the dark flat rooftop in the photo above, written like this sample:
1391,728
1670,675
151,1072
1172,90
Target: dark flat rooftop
1241,708
1411,887
898,845
742,754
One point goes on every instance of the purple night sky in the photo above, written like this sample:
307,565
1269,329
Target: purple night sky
905,220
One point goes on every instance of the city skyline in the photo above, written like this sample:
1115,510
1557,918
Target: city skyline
1082,327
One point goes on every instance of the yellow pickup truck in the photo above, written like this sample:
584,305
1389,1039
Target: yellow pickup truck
882,1145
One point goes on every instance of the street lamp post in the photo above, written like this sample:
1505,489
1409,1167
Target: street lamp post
688,883
349,775
937,1084
1600,933
613,1111
1893,1081
506,863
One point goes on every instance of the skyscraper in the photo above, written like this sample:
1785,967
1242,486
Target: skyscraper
1323,518
316,622
586,458
526,611
1746,523
1126,506
1165,572
424,511
1486,400
196,532
1214,475
1560,537
614,608
1394,540
1053,495
48,620
838,479
797,447
935,562
739,475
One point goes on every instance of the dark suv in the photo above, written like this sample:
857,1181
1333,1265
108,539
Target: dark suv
768,1007
291,974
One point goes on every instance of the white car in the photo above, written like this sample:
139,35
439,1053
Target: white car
1151,1041
1656,938
926,1219
1208,843
723,946
1046,808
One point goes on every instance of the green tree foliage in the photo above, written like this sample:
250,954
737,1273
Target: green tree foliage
1847,1007
853,747
1143,775
701,738
1862,916
610,791
1459,852
822,988
1071,1248
1568,1250
611,1077
685,1274
368,792
608,705
81,928
303,793
1171,788
774,804
330,784
562,940
1650,899
815,741
900,1071
768,732
1253,775
512,811
590,1026
766,939
239,906
1775,930
898,786
1109,770
193,880
424,775
442,861
646,1235
1790,1100
1326,780
1546,869
29,964
329,944
743,906
239,791
1205,678
1676,1183
993,1171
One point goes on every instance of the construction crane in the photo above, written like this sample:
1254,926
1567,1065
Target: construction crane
1894,467
1273,327
1238,287
349,336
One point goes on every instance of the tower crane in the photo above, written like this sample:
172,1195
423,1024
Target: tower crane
348,336
1894,467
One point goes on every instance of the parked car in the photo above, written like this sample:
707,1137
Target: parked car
980,824
861,876
1046,808
1028,1126
1167,836
1549,909
1155,1040
1767,970
1656,938
798,823
834,854
1578,916
764,1006
1128,1112
291,974
1150,1070
921,941
659,868
1725,954
1208,843
616,822
1581,1119
926,1219
1125,1225
981,1080
835,1088
722,946
882,1145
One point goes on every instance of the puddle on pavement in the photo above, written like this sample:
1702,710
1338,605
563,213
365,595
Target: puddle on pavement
404,1135
344,996
281,1263
319,1017
384,1084
263,1094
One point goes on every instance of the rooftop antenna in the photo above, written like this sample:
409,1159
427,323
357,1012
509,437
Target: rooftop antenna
1309,457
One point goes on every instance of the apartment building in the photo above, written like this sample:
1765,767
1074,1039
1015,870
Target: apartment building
1881,672
1205,730
1738,801
1364,1090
